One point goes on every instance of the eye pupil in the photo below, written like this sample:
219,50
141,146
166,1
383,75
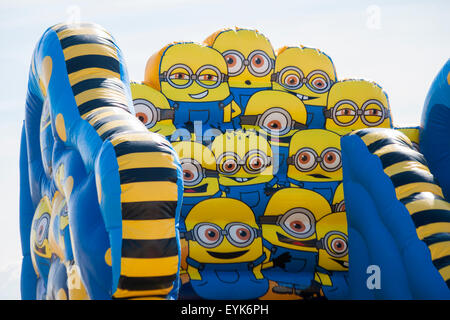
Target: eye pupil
297,225
258,61
230,60
330,157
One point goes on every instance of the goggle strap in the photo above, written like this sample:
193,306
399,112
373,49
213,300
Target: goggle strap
268,219
249,119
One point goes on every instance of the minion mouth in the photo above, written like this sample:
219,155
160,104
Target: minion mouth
342,263
320,176
40,250
202,188
227,255
303,97
307,243
237,179
200,95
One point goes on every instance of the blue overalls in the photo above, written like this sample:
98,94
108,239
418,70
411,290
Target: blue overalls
280,167
339,289
316,118
189,203
298,272
241,97
252,195
209,113
324,188
228,281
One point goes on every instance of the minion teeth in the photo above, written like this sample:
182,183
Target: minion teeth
200,95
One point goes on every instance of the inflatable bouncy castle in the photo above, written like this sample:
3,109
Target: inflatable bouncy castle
231,171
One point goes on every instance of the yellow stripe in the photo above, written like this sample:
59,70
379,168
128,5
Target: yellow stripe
427,204
144,136
91,73
111,111
405,166
410,188
432,228
391,148
439,249
146,160
149,191
121,293
89,48
148,229
112,124
375,136
99,93
156,267
445,272
76,31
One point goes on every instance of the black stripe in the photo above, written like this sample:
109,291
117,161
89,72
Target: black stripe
425,217
122,129
86,38
413,176
436,238
362,132
92,61
374,146
394,157
103,102
77,26
420,196
148,249
149,210
146,283
148,174
448,283
128,147
107,83
442,262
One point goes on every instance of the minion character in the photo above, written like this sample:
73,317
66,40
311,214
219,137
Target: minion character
153,109
315,161
289,232
250,59
309,74
356,104
225,250
194,79
40,249
245,166
200,177
276,115
338,203
332,266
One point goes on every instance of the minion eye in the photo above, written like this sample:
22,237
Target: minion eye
345,112
275,122
306,160
208,234
229,166
42,227
256,163
298,224
235,62
260,64
331,159
336,244
240,234
145,112
191,173
319,83
292,80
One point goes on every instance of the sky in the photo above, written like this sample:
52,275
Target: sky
401,45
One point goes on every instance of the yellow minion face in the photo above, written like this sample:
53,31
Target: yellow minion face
306,72
40,230
249,56
223,230
291,216
188,72
338,203
152,109
243,158
315,155
333,239
200,177
275,114
356,104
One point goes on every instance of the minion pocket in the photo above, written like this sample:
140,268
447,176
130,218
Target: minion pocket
227,276
296,265
199,115
252,199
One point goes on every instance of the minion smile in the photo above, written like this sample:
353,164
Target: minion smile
307,243
320,176
200,95
303,97
342,263
227,255
241,179
202,188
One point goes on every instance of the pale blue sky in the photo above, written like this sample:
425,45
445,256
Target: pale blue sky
401,45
